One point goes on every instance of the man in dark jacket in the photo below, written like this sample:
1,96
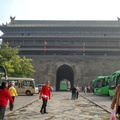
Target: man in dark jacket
73,90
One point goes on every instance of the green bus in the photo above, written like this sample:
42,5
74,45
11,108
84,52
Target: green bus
64,85
99,85
114,80
103,86
94,85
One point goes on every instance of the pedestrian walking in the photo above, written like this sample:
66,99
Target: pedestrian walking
77,91
89,89
82,88
73,90
45,94
85,90
4,96
13,93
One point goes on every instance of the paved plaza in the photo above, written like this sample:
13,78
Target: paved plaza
61,107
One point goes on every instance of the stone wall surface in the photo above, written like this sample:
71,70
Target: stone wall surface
85,68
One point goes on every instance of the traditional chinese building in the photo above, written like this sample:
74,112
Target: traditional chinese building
53,37
73,39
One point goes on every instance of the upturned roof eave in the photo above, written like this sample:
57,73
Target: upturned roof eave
9,26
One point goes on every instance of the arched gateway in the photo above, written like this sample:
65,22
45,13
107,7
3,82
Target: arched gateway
64,74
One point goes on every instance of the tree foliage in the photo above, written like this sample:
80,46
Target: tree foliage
15,65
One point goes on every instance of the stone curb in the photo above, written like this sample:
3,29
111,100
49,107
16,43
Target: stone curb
21,106
95,103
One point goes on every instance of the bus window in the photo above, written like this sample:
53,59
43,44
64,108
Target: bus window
10,81
28,83
113,82
118,80
19,84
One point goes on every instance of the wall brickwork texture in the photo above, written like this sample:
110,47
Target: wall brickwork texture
85,68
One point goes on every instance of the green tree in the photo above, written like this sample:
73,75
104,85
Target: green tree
15,65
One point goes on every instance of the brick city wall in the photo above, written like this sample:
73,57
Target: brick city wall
85,68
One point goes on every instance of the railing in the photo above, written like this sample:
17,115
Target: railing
45,35
72,49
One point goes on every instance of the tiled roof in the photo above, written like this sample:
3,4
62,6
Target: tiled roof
64,23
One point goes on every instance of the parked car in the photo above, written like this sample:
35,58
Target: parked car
40,87
52,89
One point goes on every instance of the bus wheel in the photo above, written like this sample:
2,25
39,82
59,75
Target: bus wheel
28,93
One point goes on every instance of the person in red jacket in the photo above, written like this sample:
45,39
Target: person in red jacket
4,96
45,95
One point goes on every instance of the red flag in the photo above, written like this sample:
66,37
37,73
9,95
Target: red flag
7,43
45,43
44,48
83,49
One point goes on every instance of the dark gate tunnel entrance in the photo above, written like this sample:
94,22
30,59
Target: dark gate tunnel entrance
64,73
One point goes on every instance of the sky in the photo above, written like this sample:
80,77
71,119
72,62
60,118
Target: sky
59,10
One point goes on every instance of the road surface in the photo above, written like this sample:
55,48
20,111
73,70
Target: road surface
61,107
